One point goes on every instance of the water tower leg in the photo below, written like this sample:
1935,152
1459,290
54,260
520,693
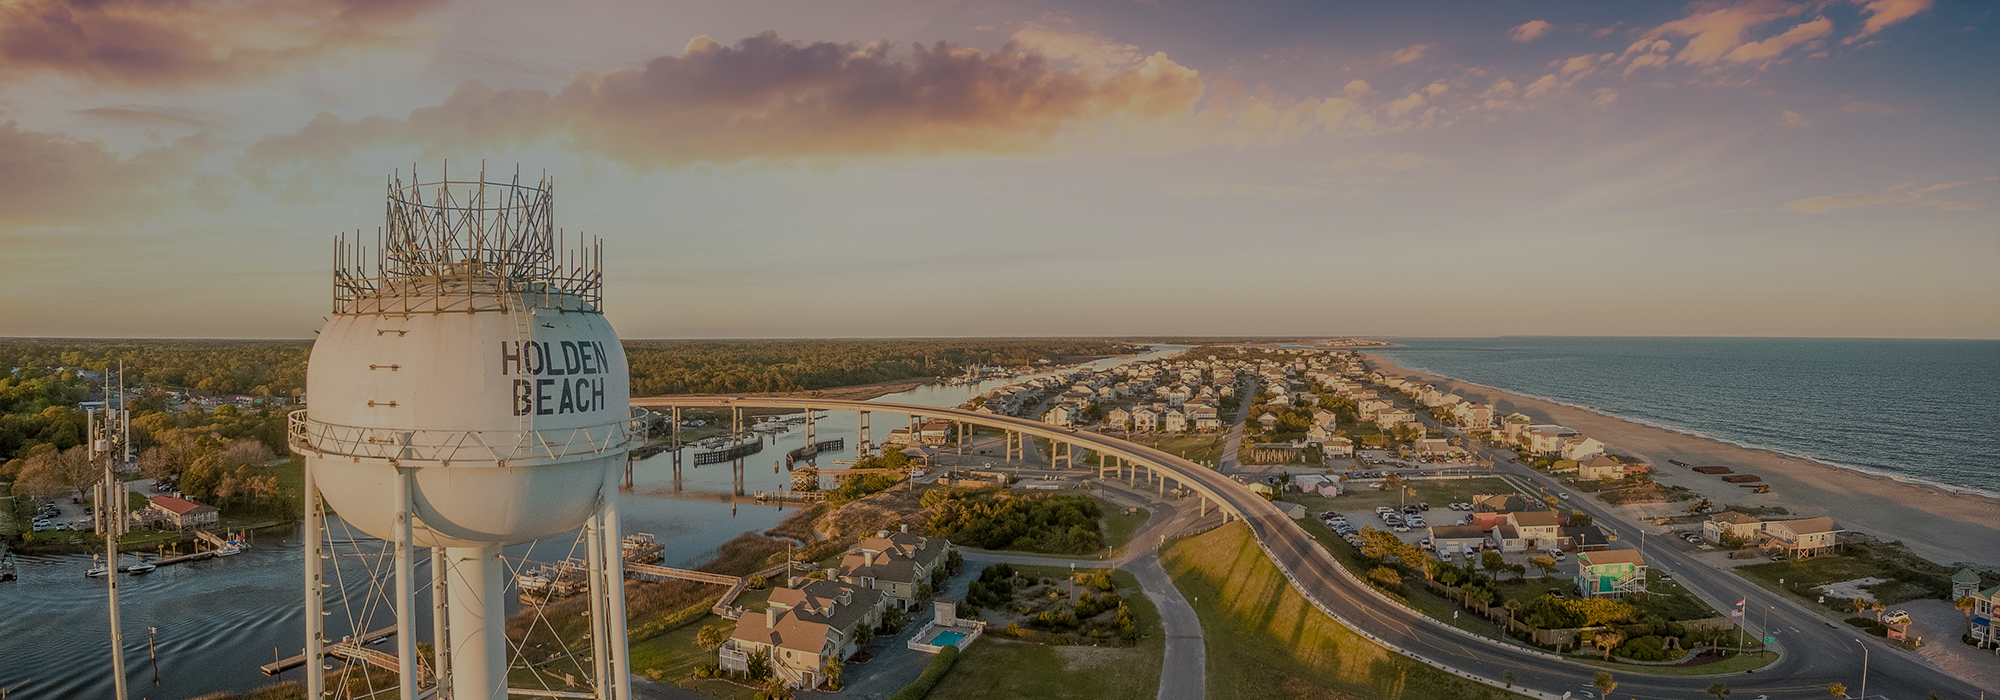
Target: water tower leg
315,594
476,588
594,582
406,591
440,639
619,649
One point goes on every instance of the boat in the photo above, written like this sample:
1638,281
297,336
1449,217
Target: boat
141,568
7,567
97,568
228,551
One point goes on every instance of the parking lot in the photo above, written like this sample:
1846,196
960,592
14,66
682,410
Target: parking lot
60,515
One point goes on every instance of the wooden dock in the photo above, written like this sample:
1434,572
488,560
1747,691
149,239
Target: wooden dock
351,650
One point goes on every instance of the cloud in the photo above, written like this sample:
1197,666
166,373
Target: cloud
154,116
145,44
52,180
1083,49
1721,33
1408,54
765,100
1769,49
1884,13
1358,89
1405,105
1530,31
1792,119
1907,193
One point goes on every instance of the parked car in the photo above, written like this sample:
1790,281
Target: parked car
1560,556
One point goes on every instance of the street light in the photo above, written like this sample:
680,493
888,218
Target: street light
1864,669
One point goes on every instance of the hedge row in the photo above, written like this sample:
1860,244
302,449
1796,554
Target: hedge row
933,673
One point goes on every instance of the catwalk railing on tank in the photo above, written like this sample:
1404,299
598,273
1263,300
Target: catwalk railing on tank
442,447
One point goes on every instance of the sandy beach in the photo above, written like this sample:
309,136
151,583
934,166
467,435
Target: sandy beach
1935,523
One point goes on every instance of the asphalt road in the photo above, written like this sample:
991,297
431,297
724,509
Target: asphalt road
1804,673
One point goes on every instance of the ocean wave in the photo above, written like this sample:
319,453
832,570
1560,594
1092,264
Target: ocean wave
1869,470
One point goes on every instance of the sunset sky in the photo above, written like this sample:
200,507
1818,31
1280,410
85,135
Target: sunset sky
820,169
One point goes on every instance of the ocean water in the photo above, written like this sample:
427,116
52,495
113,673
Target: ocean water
1917,409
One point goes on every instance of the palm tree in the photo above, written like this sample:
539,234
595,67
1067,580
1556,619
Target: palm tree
1860,605
1719,689
1604,684
1607,640
1478,599
1836,690
1878,608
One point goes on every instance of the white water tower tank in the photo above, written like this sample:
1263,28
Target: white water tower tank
469,352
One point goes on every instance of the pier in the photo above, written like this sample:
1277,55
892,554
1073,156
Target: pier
728,453
353,650
813,450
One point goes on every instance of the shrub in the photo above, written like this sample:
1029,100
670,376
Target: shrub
940,665
1647,648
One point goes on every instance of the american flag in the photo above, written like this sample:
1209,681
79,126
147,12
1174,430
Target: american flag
1738,612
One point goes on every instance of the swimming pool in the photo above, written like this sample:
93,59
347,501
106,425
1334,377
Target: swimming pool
945,639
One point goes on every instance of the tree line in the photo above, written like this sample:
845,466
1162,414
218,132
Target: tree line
43,380
724,366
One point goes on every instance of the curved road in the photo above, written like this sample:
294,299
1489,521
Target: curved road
1820,655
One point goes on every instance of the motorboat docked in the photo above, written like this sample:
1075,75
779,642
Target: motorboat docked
97,568
141,568
7,572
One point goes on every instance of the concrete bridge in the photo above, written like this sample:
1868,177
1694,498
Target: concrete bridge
1214,489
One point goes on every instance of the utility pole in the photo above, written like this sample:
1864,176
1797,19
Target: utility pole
1864,669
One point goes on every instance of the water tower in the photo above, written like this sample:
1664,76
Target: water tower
466,394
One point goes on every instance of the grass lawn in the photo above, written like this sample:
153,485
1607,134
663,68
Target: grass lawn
1528,589
1800,576
1671,601
1364,498
670,658
1119,526
1265,641
1415,594
1200,449
997,667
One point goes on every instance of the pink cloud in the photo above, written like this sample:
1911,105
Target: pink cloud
138,43
1884,13
1530,31
1408,54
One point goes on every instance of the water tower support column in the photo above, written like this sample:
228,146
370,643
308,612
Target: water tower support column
406,589
315,592
440,632
594,584
476,587
619,649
